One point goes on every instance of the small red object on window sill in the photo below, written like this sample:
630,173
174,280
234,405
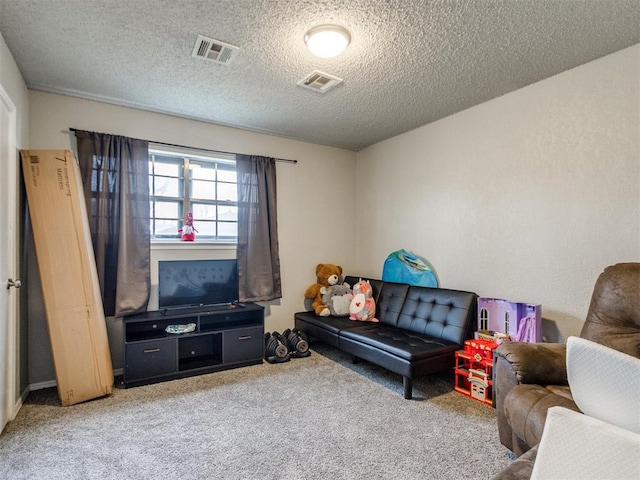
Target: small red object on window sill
188,231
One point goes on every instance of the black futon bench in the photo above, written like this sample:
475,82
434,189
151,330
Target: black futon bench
419,329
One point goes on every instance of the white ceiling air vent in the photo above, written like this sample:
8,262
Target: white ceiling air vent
320,81
213,50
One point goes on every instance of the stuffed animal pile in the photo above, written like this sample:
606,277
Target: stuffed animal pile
327,275
331,296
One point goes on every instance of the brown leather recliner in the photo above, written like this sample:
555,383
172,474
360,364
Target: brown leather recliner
532,377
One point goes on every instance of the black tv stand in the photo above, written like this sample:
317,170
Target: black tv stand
224,337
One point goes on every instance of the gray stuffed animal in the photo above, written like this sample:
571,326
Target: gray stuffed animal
338,298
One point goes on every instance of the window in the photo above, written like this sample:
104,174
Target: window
207,186
484,319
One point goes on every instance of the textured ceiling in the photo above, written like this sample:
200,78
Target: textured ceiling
410,62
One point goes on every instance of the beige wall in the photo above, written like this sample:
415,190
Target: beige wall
314,215
14,86
526,197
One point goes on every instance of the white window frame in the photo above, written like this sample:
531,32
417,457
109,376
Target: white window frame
187,158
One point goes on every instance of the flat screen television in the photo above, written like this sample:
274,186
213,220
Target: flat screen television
188,283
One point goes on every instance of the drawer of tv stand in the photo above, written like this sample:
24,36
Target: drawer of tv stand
150,358
243,344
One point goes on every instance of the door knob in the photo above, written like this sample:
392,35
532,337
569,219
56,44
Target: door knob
13,283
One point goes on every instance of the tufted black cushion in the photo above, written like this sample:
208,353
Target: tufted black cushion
404,344
438,312
331,324
390,301
326,329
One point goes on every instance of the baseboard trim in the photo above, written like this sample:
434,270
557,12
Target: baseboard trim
52,383
42,385
19,402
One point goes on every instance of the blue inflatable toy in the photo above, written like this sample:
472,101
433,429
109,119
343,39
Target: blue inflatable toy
406,267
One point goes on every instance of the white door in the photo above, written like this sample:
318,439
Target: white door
8,295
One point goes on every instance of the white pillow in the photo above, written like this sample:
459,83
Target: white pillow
575,446
605,383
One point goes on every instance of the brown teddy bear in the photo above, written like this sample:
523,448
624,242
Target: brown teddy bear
327,275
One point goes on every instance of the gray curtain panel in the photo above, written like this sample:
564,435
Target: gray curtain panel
115,175
258,257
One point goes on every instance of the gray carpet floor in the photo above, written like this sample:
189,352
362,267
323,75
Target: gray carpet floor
319,417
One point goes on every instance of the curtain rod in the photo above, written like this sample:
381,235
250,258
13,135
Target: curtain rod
285,160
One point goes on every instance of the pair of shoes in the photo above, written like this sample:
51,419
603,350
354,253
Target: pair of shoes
281,348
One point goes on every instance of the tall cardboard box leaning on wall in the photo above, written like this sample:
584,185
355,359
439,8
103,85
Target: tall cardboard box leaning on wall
75,315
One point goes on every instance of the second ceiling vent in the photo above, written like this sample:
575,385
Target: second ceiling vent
319,81
213,50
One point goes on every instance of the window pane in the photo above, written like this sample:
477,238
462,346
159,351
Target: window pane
228,212
227,230
227,174
203,211
169,169
167,187
206,229
167,228
203,171
168,209
228,192
203,189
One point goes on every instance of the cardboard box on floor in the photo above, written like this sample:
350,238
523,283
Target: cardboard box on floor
75,315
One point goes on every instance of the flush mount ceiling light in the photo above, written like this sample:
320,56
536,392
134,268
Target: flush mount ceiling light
327,41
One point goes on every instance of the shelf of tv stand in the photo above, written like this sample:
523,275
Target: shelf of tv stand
224,337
